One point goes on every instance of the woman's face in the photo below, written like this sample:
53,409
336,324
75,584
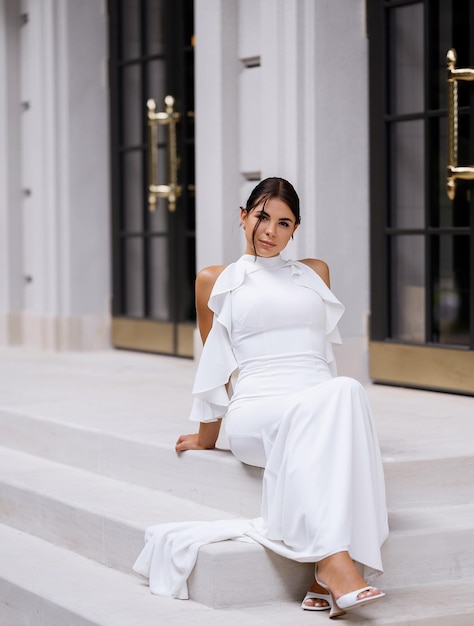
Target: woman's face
277,224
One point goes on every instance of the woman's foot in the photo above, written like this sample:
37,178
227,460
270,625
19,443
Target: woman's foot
317,599
339,574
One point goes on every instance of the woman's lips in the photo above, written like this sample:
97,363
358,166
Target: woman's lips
267,244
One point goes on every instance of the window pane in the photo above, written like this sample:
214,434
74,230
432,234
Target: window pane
132,107
407,174
461,203
156,76
133,262
130,23
408,288
451,260
442,212
451,29
159,284
158,220
133,191
406,59
446,212
154,23
187,305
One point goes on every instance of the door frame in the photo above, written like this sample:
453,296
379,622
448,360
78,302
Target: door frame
174,335
392,361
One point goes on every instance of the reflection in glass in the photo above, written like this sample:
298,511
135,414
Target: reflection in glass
452,29
408,288
406,174
442,211
451,212
154,23
132,106
406,59
187,307
130,22
451,289
444,39
159,287
132,191
158,220
156,75
133,265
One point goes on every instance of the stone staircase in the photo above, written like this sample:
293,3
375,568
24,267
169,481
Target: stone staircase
87,463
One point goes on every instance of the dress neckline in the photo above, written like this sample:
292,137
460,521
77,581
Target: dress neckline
262,262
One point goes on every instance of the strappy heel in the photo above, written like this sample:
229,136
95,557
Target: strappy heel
349,601
312,595
334,610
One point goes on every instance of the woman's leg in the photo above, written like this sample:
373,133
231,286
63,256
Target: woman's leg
251,427
341,576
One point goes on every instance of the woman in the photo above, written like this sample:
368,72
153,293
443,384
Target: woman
274,320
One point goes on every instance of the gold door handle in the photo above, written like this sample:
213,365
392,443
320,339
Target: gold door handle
170,118
454,171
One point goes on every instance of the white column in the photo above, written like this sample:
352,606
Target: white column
11,275
313,113
302,72
341,172
60,208
85,148
216,107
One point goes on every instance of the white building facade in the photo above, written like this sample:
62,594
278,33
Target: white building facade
262,88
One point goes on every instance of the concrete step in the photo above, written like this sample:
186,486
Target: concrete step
100,518
149,460
100,429
428,545
118,414
104,520
43,584
141,458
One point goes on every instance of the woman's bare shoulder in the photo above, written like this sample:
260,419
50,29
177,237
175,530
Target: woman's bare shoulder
206,277
320,267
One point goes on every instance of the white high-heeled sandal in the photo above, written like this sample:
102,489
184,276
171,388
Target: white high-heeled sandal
312,595
349,601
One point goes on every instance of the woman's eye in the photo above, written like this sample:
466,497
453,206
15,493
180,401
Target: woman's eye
285,224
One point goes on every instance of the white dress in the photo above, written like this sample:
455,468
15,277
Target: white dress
312,431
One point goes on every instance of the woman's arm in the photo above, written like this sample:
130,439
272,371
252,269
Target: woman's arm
208,433
205,439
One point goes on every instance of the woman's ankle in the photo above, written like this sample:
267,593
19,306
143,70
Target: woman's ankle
316,588
339,573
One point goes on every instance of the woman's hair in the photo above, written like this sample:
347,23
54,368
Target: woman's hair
269,188
275,187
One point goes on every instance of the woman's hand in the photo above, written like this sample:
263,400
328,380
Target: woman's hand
205,439
190,442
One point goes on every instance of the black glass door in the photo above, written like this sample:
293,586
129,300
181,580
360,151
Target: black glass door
422,245
152,57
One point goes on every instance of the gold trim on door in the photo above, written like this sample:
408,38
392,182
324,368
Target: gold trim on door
427,367
152,336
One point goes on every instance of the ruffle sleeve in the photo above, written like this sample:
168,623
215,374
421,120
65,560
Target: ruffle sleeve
304,275
218,363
